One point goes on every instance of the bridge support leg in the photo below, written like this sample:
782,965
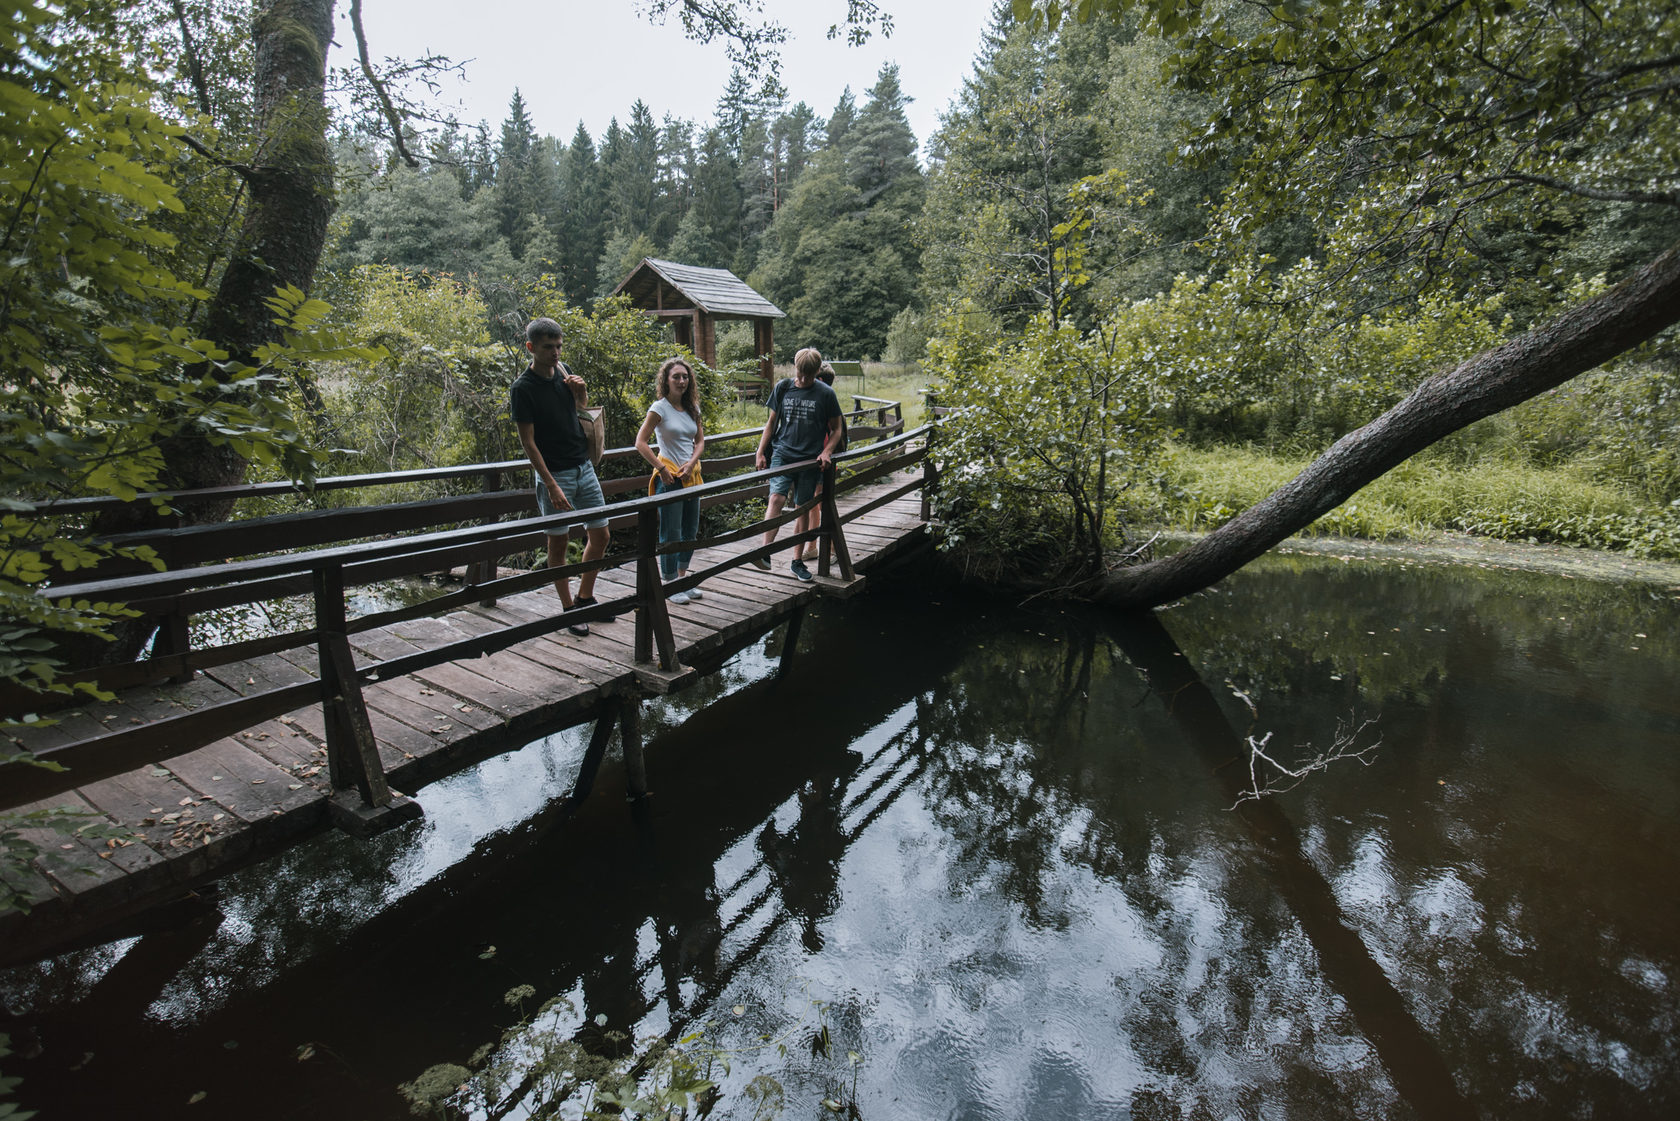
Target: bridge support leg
352,752
790,641
597,749
653,622
833,537
930,473
173,638
484,571
630,734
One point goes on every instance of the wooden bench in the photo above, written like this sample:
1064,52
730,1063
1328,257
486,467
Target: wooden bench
750,389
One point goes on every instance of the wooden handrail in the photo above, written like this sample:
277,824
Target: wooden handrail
97,503
156,584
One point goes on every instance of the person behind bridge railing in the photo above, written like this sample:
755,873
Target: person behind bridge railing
675,417
544,405
805,423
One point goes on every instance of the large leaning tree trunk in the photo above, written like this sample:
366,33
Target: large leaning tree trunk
1490,382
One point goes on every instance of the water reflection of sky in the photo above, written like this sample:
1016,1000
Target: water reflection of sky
1006,862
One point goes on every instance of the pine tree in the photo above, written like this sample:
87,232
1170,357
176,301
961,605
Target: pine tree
710,232
525,176
840,121
580,229
839,257
880,148
791,139
677,172
631,171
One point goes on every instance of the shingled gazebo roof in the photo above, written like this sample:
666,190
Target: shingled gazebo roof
665,287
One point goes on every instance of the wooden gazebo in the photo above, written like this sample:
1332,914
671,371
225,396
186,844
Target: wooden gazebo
694,299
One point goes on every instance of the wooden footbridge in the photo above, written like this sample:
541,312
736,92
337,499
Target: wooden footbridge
213,754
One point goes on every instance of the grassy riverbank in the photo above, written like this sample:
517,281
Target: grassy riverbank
1565,505
1419,501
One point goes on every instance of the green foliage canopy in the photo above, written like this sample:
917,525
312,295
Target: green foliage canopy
1410,134
100,377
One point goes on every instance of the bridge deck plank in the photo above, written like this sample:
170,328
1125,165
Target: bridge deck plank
246,784
407,700
70,861
198,815
151,802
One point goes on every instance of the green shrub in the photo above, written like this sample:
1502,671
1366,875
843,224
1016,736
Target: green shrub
907,338
1048,429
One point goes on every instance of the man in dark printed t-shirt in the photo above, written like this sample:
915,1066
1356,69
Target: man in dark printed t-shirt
805,423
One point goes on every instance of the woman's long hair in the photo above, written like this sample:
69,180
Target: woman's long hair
691,395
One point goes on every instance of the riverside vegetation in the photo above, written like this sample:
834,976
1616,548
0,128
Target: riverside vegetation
1139,289
1157,257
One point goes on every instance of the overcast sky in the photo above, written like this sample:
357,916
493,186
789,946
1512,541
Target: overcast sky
590,61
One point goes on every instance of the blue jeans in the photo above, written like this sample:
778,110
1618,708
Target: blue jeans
678,521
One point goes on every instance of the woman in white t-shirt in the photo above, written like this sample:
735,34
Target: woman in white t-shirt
675,418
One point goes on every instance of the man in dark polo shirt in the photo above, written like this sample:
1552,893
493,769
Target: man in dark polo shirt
545,403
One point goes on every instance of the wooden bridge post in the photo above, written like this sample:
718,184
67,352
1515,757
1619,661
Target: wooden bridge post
484,571
930,473
173,637
832,533
352,752
607,716
653,622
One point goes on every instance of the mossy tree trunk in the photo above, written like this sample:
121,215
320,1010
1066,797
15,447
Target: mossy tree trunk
289,180
289,184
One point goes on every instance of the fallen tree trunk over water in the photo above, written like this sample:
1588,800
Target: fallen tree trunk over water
1491,382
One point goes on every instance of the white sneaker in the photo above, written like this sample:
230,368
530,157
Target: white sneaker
694,593
680,597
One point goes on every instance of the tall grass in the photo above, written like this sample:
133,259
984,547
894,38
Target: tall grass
1202,488
904,383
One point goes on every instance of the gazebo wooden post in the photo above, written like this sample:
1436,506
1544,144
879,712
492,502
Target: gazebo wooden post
697,337
764,345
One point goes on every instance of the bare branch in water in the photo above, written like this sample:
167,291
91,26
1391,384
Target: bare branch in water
1266,775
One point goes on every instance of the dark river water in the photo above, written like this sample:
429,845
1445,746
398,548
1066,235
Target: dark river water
1004,859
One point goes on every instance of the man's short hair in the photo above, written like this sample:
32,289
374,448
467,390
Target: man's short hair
544,328
808,361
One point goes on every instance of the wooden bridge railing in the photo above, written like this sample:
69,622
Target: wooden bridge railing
213,579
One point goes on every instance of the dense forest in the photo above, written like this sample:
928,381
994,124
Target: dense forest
1086,204
1159,259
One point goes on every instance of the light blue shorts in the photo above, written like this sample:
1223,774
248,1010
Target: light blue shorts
581,488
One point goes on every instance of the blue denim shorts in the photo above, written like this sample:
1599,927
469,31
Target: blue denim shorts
799,486
581,488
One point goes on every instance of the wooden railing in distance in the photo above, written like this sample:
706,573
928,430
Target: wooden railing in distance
326,574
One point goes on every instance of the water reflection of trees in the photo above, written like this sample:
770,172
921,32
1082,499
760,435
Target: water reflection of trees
1510,856
1474,920
1040,750
1092,772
